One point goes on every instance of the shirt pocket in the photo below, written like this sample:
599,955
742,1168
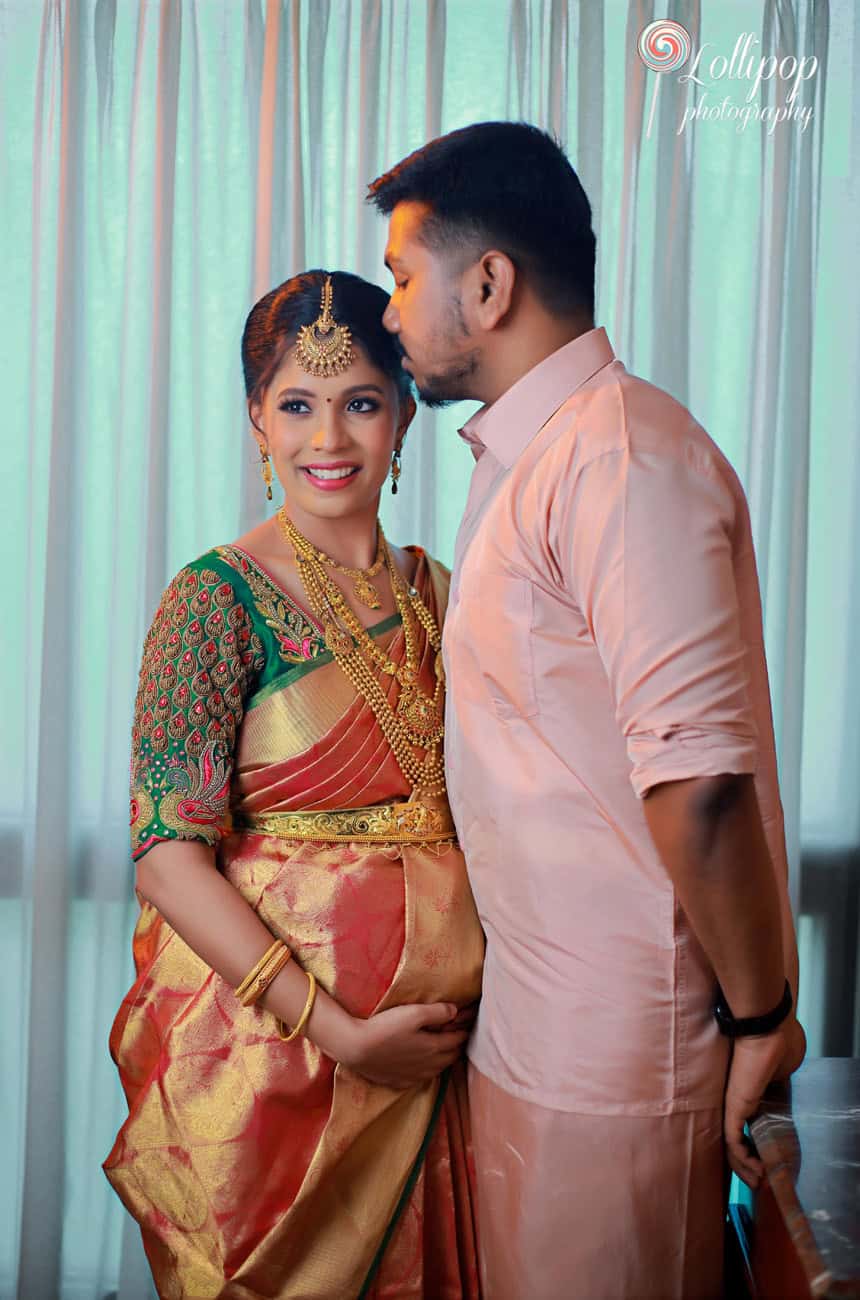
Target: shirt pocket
499,626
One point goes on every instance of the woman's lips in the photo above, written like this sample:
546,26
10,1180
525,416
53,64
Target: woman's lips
330,478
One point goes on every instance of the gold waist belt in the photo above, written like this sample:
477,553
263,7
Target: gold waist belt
390,823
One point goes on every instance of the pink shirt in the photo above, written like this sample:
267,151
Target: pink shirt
604,635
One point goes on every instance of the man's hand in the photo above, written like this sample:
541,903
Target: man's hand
795,1049
755,1062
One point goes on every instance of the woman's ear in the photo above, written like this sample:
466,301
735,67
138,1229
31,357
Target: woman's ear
407,415
255,411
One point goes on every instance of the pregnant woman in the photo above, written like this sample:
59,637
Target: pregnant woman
307,951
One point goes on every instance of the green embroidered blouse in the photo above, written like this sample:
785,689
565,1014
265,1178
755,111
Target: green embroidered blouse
223,635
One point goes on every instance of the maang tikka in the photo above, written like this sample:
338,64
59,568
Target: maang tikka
324,348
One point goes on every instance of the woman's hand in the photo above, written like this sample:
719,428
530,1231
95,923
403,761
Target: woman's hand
405,1045
464,1019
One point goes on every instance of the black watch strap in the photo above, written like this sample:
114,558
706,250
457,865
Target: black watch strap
750,1025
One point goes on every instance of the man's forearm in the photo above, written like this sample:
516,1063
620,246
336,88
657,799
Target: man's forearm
709,833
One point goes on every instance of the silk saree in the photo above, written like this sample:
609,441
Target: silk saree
257,1168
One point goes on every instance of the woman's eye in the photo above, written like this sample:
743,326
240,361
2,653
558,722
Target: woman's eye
362,405
294,406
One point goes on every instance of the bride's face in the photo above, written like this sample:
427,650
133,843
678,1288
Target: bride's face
331,440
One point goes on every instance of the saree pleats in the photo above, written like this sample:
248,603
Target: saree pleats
258,1168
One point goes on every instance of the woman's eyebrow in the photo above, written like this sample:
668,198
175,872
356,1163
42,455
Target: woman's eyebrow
347,392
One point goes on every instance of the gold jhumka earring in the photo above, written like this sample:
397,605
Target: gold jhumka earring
395,471
324,348
266,471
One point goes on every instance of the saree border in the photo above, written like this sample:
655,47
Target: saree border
409,1185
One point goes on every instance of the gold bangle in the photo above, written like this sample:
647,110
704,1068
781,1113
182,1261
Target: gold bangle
265,977
267,956
305,1016
257,967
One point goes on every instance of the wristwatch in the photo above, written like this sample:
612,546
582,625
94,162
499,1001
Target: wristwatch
750,1025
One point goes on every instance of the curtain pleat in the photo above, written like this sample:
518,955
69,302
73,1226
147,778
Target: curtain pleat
778,448
48,834
671,278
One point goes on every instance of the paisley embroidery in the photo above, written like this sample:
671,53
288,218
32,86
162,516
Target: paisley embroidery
142,811
198,664
298,640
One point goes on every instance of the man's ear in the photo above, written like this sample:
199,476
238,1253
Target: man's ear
407,415
493,279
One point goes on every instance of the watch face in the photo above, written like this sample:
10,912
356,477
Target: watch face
725,1020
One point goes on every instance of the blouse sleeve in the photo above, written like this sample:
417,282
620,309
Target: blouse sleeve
200,658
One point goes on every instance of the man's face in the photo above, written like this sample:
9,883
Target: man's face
425,312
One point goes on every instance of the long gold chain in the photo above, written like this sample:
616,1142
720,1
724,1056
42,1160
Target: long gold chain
416,721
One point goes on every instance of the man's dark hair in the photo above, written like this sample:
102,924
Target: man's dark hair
506,185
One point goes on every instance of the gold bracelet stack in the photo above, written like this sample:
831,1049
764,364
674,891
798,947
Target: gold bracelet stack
306,1014
258,979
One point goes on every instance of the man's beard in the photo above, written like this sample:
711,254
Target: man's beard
451,385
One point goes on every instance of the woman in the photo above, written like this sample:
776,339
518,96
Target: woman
295,1129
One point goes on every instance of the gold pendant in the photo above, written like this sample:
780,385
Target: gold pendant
366,592
338,641
439,667
418,712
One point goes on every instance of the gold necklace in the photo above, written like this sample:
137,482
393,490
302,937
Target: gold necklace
416,722
362,587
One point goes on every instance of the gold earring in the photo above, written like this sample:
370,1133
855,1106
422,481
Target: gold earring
395,471
266,471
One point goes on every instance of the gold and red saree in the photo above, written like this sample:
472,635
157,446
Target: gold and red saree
254,1167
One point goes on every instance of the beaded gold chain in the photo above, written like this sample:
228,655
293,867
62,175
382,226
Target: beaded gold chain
416,722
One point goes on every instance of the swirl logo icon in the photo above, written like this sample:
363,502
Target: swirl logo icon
664,46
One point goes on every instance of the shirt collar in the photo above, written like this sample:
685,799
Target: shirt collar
509,424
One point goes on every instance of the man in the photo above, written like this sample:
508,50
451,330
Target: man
609,745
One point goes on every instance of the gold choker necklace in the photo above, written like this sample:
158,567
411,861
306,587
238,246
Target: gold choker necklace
363,589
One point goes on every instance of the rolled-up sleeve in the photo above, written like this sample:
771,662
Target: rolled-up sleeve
646,550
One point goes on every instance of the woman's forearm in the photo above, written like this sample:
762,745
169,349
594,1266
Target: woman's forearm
180,879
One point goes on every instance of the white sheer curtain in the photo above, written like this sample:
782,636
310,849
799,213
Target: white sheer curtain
163,163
